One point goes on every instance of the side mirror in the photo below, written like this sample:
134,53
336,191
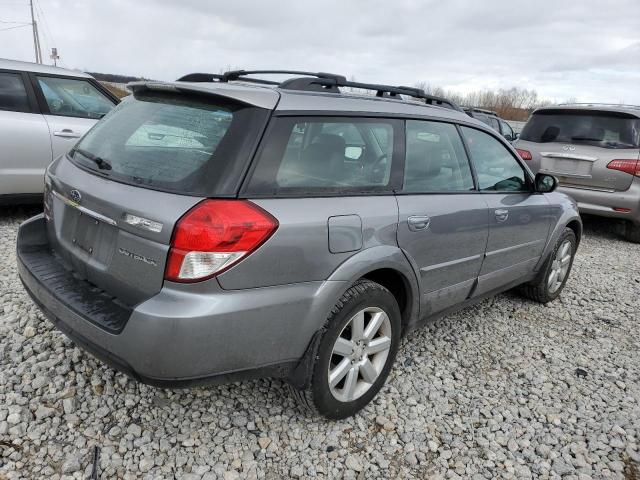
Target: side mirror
516,135
545,183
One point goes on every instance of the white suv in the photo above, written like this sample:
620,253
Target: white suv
44,110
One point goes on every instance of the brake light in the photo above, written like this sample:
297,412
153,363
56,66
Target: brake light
215,235
629,166
524,154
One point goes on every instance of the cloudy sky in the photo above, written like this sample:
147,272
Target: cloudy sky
582,49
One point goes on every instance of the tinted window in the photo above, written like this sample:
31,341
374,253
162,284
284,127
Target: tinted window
507,131
173,142
325,154
482,117
602,129
496,168
435,160
74,98
13,96
493,122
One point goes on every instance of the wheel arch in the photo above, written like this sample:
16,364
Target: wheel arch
389,267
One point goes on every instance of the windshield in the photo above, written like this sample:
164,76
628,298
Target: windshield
169,142
601,129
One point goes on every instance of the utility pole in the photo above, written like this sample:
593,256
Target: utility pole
36,38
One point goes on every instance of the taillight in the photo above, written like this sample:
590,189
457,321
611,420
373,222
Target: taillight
524,154
629,166
215,235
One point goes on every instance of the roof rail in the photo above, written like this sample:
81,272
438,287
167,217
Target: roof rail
320,81
483,110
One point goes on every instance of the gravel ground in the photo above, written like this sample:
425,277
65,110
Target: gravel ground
508,389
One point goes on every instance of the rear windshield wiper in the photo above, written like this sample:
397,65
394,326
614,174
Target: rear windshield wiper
586,139
101,162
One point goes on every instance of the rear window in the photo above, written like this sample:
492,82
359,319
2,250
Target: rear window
333,155
176,143
601,129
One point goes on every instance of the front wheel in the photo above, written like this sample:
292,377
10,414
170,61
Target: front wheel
356,352
554,274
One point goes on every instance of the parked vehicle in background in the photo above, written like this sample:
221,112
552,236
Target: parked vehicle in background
44,110
492,119
218,228
594,151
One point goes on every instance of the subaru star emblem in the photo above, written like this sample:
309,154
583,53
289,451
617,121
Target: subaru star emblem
568,148
75,196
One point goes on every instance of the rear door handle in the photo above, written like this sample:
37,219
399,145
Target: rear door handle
66,133
501,214
418,222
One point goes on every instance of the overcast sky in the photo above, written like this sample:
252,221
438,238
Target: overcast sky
582,49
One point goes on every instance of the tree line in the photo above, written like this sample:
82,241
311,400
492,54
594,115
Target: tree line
510,103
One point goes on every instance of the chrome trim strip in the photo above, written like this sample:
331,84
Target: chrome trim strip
570,156
514,247
450,263
86,211
563,174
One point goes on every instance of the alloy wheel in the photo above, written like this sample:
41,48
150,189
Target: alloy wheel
359,354
559,266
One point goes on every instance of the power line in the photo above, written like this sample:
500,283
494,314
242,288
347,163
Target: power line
46,31
17,26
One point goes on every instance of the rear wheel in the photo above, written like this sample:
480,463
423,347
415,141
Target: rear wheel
356,352
549,284
632,232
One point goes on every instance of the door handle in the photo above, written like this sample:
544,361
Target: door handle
501,214
66,133
418,222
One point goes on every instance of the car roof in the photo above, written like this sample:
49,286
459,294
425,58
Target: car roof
6,64
281,99
633,110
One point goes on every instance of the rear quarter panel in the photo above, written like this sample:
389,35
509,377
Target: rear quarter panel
299,249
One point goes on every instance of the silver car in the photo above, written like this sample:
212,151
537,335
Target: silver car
225,226
594,152
44,110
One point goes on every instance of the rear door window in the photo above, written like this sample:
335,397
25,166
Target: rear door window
435,159
172,142
326,154
13,96
74,97
496,168
601,129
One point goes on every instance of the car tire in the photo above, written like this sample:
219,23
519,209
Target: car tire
555,272
632,232
355,354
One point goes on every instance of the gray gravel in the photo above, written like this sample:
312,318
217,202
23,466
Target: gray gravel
508,389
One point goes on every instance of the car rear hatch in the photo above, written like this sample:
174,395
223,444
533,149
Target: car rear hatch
579,145
111,204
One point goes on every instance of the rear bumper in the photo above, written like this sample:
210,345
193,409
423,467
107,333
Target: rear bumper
186,334
595,202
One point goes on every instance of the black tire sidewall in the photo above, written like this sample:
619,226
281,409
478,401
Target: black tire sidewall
566,235
374,296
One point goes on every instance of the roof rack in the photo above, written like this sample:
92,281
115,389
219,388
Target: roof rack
320,81
483,110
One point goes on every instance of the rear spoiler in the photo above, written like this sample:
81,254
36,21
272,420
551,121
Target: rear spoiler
256,97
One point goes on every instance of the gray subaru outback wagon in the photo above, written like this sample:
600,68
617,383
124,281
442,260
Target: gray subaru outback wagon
222,227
